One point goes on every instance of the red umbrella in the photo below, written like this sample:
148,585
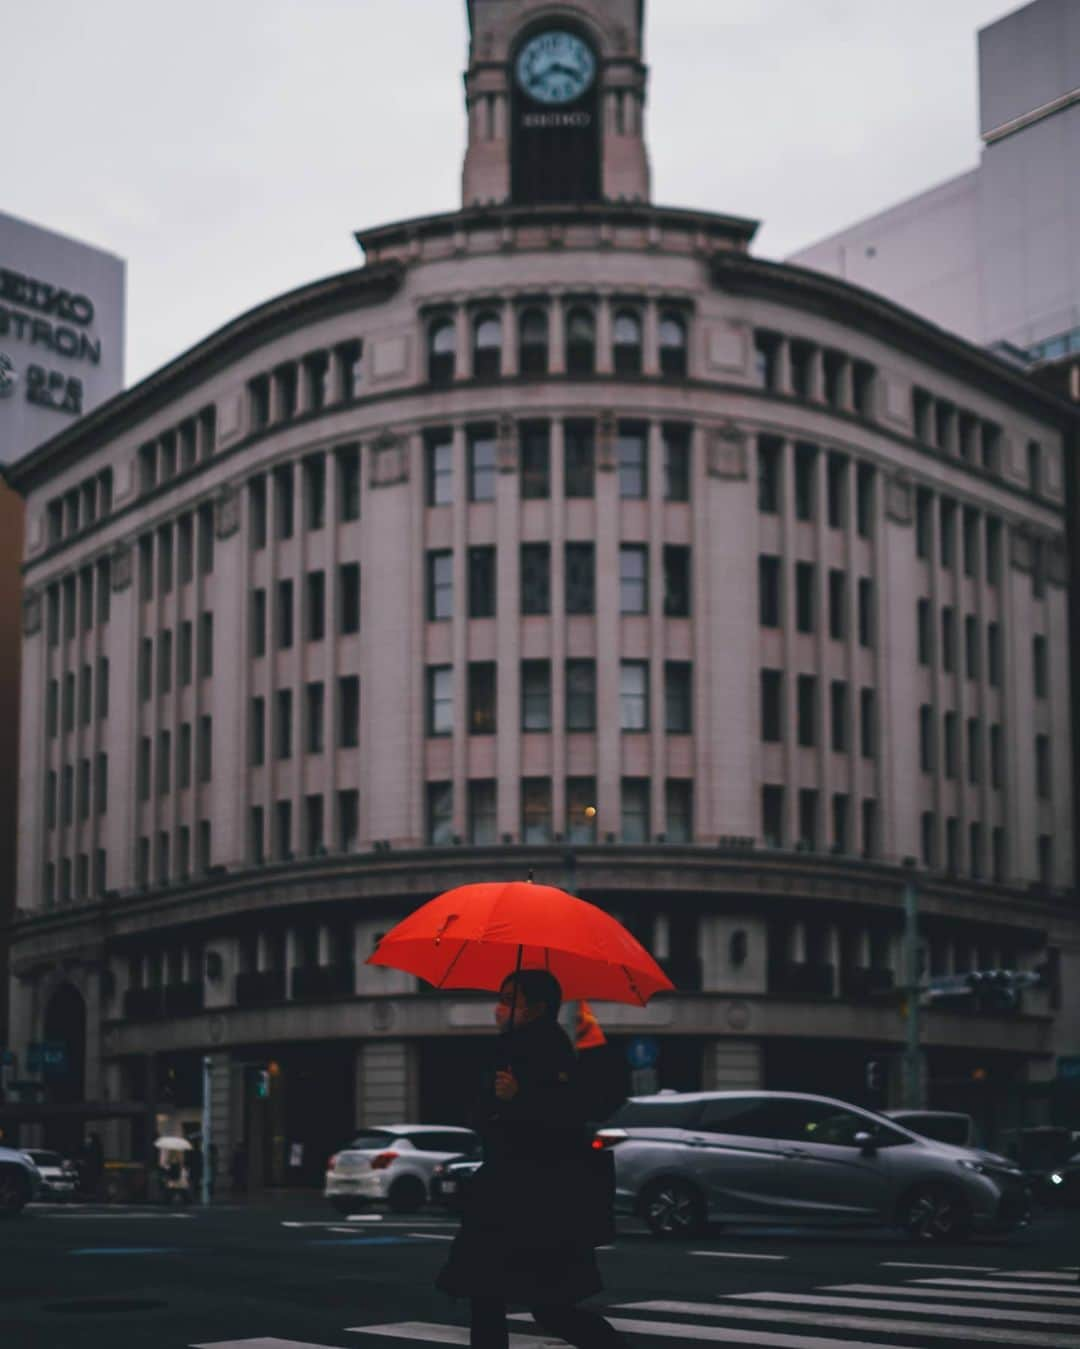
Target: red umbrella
475,935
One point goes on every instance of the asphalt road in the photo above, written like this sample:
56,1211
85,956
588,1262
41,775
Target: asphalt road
294,1276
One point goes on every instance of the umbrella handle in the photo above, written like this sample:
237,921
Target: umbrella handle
513,994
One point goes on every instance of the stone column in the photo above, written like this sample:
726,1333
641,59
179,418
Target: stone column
650,355
292,960
605,357
510,363
463,338
783,366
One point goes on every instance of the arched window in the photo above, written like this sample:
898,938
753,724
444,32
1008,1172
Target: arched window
533,342
672,345
487,346
580,342
442,342
627,341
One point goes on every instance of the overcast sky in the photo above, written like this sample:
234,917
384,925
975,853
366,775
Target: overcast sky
228,148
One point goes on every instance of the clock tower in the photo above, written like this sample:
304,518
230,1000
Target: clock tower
556,101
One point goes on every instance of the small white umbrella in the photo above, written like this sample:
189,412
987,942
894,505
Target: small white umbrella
167,1144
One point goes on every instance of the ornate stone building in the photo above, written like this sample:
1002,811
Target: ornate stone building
561,500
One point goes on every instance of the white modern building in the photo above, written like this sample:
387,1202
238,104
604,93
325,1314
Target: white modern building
560,500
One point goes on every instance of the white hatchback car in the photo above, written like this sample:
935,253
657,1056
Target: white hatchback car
393,1162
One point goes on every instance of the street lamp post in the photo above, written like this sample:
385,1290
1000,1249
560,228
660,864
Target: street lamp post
913,1071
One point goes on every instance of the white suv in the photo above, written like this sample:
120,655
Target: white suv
393,1162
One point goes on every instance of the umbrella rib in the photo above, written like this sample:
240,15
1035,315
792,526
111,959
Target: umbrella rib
446,973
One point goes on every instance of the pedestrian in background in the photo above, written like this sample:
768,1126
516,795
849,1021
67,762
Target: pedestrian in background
195,1169
534,1212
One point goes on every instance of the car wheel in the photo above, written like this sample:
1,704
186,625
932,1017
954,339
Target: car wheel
935,1213
14,1191
672,1209
406,1195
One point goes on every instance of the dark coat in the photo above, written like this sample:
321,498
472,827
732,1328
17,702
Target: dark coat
539,1204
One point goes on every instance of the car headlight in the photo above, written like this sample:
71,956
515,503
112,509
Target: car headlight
972,1166
1056,1178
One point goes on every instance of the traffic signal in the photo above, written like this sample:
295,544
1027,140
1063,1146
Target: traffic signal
875,1075
982,990
260,1083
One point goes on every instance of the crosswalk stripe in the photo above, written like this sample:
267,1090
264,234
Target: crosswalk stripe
1034,1274
442,1334
914,1308
431,1236
925,1264
739,1255
1071,1288
834,1321
261,1342
739,1335
1014,1299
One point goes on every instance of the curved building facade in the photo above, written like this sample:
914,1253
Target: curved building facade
562,535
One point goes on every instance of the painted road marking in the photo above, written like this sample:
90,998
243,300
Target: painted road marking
738,1335
431,1236
429,1330
262,1342
915,1264
361,1241
126,1250
1014,1299
740,1255
915,1308
1071,1288
1029,1274
115,1217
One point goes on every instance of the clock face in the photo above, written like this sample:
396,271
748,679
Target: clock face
555,67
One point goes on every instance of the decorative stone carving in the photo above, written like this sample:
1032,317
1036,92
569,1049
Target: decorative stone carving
1057,563
738,1016
1020,550
898,499
227,513
389,460
383,1016
506,452
121,566
31,613
606,433
726,456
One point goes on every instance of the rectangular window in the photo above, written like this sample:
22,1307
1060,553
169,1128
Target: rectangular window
283,831
581,810
183,757
837,605
440,584
86,597
258,731
869,828
1039,666
924,631
349,711
348,598
804,596
314,481
164,763
146,675
206,646
580,695
142,776
482,700
440,700
634,695
808,819
676,581
483,819
204,519
535,578
482,589
258,836
840,811
971,646
86,695
993,551
315,839
928,833
284,512
52,614
635,810
1042,767
995,756
772,816
866,612
990,445
315,718
580,578
284,614
801,355
952,845
104,590
1045,849
678,697
769,472
862,388
481,463
84,787
974,750
52,708
536,817
993,655
997,853
970,538
536,695
535,461
316,606
926,738
185,654
165,662
676,441
257,512
102,688
772,716
283,736
580,458
632,459
924,508
439,452
766,347
348,469
838,715
948,640
805,473
836,486
633,578
679,810
769,611
258,622
348,819
864,500
67,788
146,572
949,746
868,723
947,532
440,814
807,709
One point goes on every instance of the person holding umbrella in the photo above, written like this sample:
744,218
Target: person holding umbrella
542,1201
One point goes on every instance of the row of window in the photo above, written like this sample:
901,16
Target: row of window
631,447
803,477
808,713
579,580
67,795
81,506
314,723
71,605
582,824
60,709
771,597
950,751
947,646
182,662
534,343
949,857
166,866
176,548
954,431
203,761
314,615
178,449
321,379
313,495
74,880
950,516
845,383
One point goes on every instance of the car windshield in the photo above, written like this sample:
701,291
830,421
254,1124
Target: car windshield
944,1128
674,1114
46,1158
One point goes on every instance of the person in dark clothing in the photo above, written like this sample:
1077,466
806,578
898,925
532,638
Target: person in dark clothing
536,1209
195,1170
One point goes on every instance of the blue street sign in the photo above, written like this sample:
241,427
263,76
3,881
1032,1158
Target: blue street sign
1068,1068
642,1052
48,1056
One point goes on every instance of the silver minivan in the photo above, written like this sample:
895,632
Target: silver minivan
684,1159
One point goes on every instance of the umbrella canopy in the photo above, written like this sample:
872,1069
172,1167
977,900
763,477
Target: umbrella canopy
168,1144
475,935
